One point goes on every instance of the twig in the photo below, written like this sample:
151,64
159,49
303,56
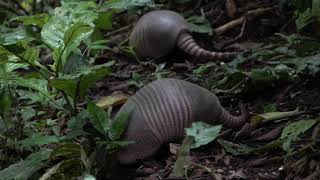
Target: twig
249,15
125,28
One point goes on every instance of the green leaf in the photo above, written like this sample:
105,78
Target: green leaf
25,169
20,50
78,121
119,125
303,19
71,40
5,106
98,118
77,84
235,149
202,133
38,140
127,4
66,151
66,16
37,19
291,132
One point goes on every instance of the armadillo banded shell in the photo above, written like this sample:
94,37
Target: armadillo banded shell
150,40
161,111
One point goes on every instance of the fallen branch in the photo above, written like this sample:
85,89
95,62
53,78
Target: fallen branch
248,16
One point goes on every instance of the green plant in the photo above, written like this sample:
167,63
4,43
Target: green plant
35,97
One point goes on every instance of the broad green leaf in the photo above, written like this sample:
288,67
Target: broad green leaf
5,107
303,19
37,19
38,140
98,118
78,121
39,85
23,170
78,83
66,16
13,35
182,161
291,132
75,34
127,4
271,115
71,40
21,51
66,151
235,149
202,133
119,125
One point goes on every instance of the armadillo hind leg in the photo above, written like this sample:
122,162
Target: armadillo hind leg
145,144
186,43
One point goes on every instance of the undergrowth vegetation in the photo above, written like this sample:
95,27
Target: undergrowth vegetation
47,68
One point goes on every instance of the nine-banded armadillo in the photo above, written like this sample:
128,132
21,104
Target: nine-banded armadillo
162,110
158,32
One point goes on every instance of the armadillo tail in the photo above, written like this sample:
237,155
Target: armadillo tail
186,43
234,122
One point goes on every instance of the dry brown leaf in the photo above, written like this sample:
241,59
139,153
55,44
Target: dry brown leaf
113,100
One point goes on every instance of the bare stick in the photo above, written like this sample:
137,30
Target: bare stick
249,16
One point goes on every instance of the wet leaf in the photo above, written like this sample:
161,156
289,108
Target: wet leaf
65,17
202,133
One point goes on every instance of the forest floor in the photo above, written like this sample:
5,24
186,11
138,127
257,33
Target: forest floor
286,95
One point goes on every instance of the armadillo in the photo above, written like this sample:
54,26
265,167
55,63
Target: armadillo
158,32
162,110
